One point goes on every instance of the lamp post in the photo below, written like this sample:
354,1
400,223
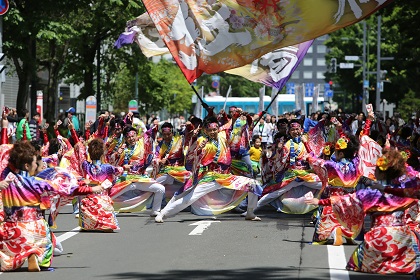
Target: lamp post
365,92
378,67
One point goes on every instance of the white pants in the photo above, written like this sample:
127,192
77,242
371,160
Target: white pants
165,179
177,205
156,188
266,199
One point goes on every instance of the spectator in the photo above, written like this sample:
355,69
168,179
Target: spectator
34,126
263,130
22,129
358,123
71,116
310,122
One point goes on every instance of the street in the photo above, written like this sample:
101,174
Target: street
192,247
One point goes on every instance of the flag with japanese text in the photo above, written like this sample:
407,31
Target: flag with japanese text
274,68
210,36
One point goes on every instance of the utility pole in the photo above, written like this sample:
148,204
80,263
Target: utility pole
365,92
98,77
378,67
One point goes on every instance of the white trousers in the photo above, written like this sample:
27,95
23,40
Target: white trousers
156,188
165,179
175,206
266,199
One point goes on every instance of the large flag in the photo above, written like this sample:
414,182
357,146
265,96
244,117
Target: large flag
213,36
147,36
274,68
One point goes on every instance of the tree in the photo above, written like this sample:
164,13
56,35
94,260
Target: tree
102,20
241,87
22,24
409,104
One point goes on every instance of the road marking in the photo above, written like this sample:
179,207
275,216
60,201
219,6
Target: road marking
68,234
337,262
201,227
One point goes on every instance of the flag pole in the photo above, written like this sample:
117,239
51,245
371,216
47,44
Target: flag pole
204,104
227,95
266,109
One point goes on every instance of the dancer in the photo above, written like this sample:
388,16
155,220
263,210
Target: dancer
24,228
294,177
133,191
209,160
169,162
390,246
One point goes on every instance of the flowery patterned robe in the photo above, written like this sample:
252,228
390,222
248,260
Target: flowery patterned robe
24,231
343,176
96,210
288,168
173,152
212,164
239,147
298,170
390,246
140,156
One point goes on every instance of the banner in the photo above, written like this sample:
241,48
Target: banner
274,68
275,108
147,36
315,99
214,36
261,94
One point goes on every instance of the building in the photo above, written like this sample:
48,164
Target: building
311,71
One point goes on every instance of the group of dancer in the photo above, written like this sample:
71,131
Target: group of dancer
214,166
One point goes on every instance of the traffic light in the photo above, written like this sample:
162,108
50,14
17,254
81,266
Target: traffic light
383,75
331,84
333,65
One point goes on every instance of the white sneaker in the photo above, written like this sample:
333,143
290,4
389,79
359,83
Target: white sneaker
58,249
159,218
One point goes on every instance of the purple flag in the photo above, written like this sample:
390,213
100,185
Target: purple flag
126,38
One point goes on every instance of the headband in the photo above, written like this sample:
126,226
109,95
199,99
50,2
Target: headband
295,124
167,129
212,125
131,133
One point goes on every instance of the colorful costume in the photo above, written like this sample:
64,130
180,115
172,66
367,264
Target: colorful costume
212,190
343,176
174,169
132,192
390,246
96,210
292,182
24,231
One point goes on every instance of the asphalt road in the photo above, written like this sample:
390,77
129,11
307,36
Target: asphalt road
228,247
